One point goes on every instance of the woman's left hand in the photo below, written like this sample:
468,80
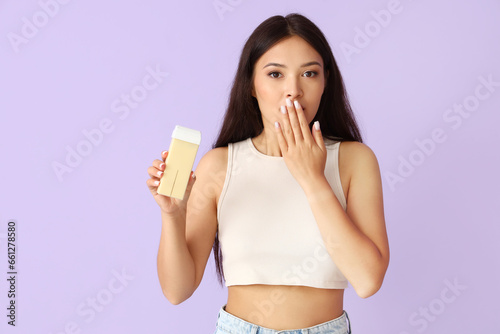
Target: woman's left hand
304,152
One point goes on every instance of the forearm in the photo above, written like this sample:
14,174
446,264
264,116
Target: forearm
357,257
176,270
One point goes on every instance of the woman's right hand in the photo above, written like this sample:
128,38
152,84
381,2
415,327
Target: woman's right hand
168,205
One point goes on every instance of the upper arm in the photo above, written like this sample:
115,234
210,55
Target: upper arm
365,206
201,214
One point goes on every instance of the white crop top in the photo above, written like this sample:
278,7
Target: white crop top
267,231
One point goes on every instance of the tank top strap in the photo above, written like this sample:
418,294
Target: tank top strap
332,171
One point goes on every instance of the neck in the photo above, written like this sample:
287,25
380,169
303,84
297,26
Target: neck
267,143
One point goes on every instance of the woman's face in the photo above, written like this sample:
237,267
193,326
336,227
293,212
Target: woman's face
290,69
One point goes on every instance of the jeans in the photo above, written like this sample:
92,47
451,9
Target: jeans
230,324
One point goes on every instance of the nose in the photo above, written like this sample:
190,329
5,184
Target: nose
293,88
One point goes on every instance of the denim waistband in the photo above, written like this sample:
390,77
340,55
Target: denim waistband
229,323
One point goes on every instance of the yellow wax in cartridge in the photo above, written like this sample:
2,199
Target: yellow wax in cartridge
179,162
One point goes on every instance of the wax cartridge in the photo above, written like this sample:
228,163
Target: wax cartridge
179,162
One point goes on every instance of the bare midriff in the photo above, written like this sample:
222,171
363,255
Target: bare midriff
284,307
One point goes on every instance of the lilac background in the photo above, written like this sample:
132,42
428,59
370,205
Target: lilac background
77,232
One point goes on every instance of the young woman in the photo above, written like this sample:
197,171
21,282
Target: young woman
289,198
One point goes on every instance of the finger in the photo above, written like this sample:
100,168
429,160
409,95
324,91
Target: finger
152,185
159,164
286,128
318,136
155,172
304,125
164,155
294,120
281,138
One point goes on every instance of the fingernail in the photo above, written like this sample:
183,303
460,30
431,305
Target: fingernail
289,102
283,109
276,124
163,153
316,125
193,176
159,173
156,183
296,103
162,165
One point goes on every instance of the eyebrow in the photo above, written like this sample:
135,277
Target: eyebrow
303,65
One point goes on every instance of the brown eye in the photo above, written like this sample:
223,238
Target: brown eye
274,75
310,74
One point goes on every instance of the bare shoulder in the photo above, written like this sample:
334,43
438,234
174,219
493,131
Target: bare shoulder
356,155
214,160
211,171
357,159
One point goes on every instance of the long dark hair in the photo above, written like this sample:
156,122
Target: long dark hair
243,117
